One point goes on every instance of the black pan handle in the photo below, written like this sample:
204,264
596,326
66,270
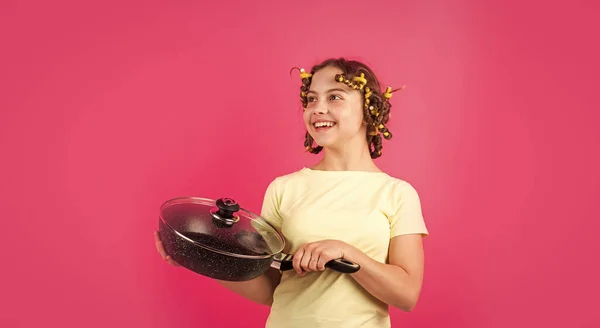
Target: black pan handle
284,262
342,265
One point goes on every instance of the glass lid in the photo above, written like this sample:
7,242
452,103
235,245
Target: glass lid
222,226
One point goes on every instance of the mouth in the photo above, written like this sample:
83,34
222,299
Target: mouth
323,125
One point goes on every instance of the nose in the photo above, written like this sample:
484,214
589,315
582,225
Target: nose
321,108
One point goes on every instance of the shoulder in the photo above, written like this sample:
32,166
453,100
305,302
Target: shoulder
401,186
400,190
396,184
278,184
406,209
281,181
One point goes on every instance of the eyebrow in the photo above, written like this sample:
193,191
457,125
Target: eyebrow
329,91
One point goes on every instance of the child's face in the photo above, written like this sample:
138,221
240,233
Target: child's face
338,106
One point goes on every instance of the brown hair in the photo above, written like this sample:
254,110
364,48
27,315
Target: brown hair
376,106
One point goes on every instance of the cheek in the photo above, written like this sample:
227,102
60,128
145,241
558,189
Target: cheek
352,121
353,115
306,117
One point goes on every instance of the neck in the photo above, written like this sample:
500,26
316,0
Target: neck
349,157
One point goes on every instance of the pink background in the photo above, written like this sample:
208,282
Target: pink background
108,109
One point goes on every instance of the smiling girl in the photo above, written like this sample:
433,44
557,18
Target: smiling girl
343,207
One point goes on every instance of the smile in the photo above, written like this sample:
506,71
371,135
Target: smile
323,124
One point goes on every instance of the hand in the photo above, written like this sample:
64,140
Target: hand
161,250
313,256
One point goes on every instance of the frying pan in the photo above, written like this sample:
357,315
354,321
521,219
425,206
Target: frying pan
221,240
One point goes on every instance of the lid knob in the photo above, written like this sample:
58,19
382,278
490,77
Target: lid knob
223,215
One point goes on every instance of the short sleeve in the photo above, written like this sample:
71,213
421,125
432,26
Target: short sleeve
408,217
270,206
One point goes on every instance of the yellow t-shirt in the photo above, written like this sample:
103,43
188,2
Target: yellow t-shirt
364,209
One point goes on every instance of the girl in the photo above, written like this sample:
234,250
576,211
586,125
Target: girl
342,207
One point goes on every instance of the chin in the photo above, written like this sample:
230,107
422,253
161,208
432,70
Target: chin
323,140
323,144
327,143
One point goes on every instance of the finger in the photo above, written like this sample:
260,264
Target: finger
156,237
161,250
314,261
305,262
171,261
323,259
296,260
159,246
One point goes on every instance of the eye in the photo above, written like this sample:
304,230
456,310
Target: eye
335,97
310,99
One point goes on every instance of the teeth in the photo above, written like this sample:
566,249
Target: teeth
322,124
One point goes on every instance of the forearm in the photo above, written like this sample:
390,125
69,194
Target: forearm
259,290
388,283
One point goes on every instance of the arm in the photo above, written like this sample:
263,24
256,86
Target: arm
259,290
397,283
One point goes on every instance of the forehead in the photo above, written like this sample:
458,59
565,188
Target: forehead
325,78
